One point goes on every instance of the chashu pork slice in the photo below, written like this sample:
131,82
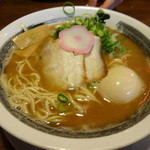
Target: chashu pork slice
74,71
52,66
62,69
94,63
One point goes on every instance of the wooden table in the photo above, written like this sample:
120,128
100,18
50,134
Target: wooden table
11,10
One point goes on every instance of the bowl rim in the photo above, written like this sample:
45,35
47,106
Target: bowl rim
33,136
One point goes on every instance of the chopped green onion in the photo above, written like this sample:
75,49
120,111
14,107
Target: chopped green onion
62,107
100,33
110,45
62,98
40,57
96,25
100,14
86,15
71,4
64,104
121,50
90,86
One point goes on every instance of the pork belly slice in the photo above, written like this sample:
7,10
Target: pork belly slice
73,68
53,65
62,69
94,63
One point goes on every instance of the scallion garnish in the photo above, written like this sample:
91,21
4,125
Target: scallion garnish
64,104
101,16
40,57
62,98
63,107
96,25
70,4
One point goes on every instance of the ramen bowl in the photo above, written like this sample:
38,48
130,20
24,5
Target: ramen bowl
125,133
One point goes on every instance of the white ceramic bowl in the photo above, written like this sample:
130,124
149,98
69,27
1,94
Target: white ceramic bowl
47,141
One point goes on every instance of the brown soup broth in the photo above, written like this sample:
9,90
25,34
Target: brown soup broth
96,115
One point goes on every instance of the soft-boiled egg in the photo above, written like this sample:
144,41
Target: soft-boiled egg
121,84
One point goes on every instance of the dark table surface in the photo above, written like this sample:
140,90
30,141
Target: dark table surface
11,10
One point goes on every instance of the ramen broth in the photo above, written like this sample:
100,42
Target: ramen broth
94,115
